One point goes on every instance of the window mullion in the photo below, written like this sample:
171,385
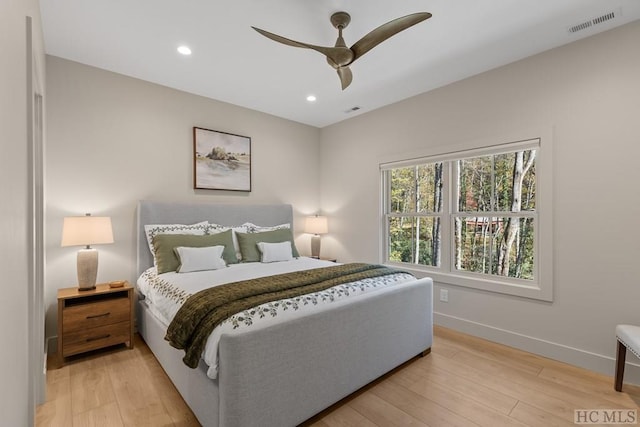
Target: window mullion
415,241
490,218
386,209
445,218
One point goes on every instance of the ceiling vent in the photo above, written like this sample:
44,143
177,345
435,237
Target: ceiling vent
594,21
352,109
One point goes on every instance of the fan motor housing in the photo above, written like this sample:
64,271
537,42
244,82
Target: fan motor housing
340,20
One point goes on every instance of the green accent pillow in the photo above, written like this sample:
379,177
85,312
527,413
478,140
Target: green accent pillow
248,242
166,259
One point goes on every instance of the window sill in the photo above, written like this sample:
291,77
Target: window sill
515,287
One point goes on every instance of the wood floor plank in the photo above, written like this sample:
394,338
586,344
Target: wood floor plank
79,365
506,355
173,403
536,417
523,391
480,393
463,403
90,389
419,407
102,416
55,372
383,413
446,348
56,411
464,381
574,395
138,400
594,383
344,416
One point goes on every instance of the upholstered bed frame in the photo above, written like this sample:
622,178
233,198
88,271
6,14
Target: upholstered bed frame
283,374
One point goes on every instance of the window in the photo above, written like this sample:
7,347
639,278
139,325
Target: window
472,218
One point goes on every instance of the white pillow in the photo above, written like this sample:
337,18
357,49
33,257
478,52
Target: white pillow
249,227
198,259
274,252
151,230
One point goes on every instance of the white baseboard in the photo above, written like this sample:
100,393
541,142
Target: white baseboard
574,356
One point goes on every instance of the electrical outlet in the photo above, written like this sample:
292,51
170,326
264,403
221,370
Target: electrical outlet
444,295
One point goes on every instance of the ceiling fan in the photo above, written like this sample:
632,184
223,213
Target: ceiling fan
340,56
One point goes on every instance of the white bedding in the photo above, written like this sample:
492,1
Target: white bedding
165,294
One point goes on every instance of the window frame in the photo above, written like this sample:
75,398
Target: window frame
541,288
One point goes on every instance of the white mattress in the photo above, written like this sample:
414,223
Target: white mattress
165,294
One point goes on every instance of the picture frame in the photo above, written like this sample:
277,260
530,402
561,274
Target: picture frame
221,160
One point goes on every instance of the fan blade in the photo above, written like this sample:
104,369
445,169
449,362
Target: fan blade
345,76
384,31
333,53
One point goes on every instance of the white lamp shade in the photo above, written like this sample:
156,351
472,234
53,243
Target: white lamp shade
316,225
86,230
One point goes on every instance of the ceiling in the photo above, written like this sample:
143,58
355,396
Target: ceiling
232,63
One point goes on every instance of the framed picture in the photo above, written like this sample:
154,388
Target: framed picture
221,161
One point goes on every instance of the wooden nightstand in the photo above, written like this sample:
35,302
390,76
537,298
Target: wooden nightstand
89,320
325,259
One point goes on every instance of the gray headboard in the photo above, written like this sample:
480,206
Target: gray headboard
152,212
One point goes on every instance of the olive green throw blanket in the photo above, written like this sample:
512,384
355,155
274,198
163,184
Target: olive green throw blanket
206,309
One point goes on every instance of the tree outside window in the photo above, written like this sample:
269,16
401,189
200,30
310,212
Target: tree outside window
472,215
494,225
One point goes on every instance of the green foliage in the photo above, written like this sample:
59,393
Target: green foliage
413,189
488,244
402,241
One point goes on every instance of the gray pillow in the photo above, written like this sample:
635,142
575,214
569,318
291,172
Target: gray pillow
166,259
248,242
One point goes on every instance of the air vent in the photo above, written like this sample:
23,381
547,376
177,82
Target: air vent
579,27
352,109
594,21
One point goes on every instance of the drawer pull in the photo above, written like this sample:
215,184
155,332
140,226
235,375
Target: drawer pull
101,337
99,315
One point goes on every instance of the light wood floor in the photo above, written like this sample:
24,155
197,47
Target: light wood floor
465,381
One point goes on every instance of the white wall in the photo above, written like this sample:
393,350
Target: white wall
588,94
113,140
16,404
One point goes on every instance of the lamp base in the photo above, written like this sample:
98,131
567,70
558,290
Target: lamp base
315,246
87,269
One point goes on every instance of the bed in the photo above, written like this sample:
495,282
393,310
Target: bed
285,373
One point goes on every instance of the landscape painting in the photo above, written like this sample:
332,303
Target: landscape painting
222,161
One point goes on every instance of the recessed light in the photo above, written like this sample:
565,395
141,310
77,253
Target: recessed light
184,50
311,98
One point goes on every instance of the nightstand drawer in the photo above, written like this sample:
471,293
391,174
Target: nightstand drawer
94,338
84,316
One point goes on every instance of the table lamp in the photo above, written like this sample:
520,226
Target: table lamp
86,231
316,225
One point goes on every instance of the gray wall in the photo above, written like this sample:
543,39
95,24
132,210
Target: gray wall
113,140
17,314
587,93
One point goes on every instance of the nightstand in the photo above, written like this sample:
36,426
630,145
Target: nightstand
89,320
326,259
